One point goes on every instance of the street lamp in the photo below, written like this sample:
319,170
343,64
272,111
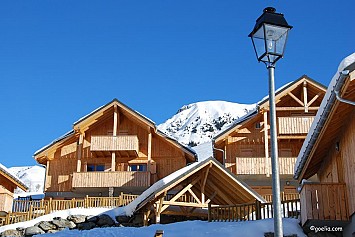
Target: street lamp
269,38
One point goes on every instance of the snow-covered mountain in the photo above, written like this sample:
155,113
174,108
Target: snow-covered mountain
32,176
197,123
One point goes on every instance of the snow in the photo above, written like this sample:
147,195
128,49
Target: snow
198,122
204,151
193,228
343,64
187,228
62,214
33,177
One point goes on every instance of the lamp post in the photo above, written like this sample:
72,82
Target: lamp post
269,38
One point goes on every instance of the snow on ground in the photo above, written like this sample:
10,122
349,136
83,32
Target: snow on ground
33,177
191,228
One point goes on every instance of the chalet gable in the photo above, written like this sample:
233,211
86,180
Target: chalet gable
106,121
326,130
300,97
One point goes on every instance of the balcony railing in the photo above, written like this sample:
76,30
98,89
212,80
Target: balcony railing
324,201
257,165
111,179
127,143
295,125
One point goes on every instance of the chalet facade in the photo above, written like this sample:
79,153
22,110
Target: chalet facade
113,149
8,184
328,155
246,145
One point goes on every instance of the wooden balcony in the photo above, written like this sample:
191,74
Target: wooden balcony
295,125
257,165
126,145
110,179
324,204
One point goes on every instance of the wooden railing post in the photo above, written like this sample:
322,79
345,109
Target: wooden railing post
257,209
86,200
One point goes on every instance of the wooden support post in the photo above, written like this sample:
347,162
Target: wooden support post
257,210
79,149
305,99
113,161
115,121
46,177
266,145
209,212
149,154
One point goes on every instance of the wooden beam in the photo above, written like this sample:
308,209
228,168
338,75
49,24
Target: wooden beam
211,198
79,148
313,99
266,145
115,121
113,161
185,204
194,195
149,150
305,97
203,184
295,98
293,108
220,193
179,194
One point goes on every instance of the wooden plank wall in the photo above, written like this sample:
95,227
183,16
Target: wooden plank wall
168,157
329,171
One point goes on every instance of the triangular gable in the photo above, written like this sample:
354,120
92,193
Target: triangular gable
326,127
290,87
205,182
286,92
92,117
12,178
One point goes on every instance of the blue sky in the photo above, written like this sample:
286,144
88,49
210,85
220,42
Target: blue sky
60,59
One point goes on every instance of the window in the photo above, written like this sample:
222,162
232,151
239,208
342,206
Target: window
95,167
258,125
141,167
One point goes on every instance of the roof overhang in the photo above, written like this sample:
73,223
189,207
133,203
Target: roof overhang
327,125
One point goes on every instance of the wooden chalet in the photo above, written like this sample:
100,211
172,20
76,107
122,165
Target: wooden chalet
189,192
246,144
8,184
113,149
328,155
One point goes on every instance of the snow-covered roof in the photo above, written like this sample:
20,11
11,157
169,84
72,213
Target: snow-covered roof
12,176
322,114
175,177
